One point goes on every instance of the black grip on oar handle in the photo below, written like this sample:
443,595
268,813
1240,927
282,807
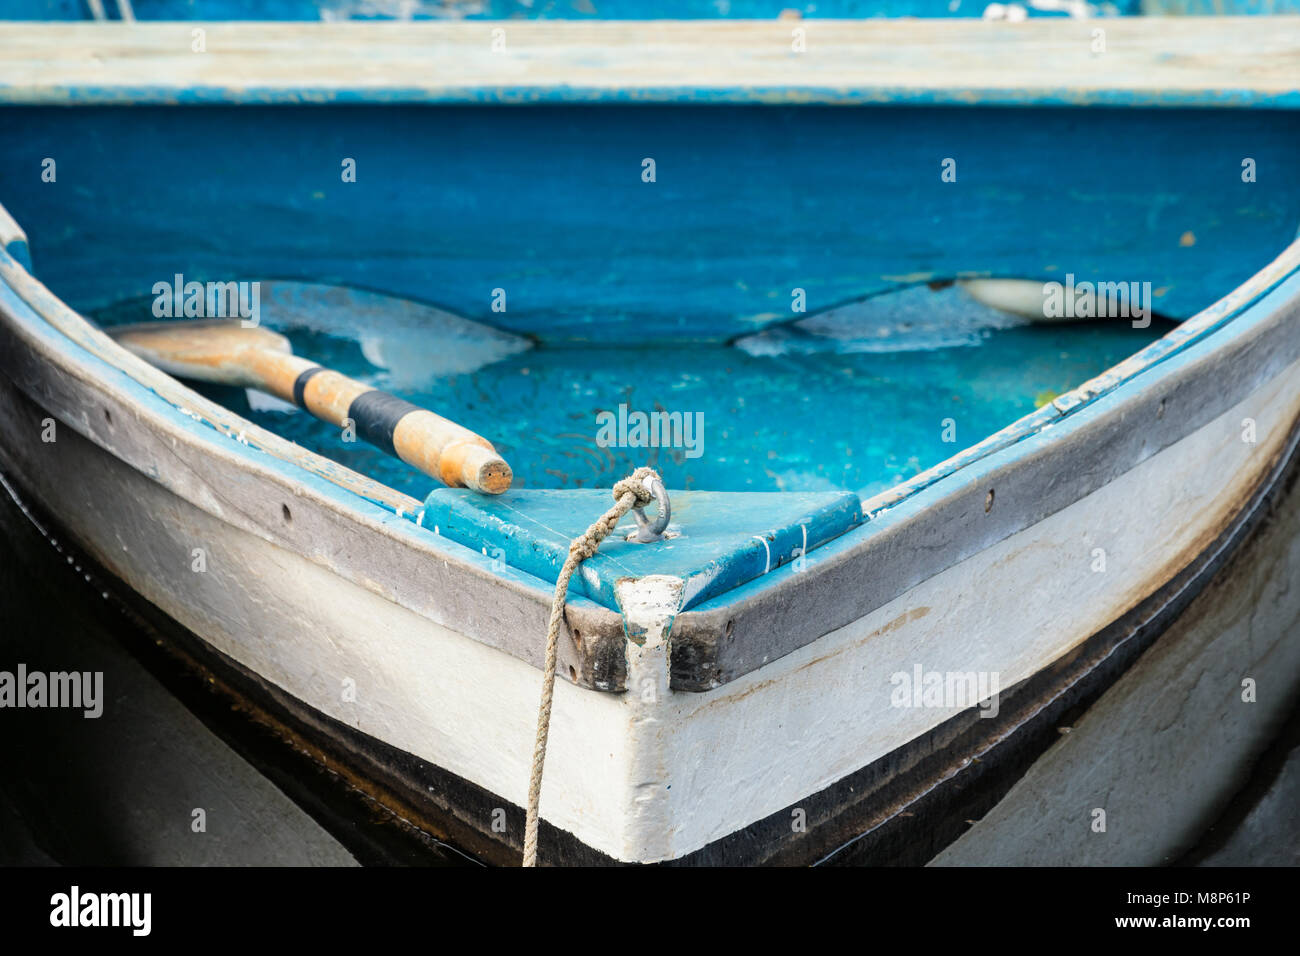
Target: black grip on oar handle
419,437
225,352
300,385
376,415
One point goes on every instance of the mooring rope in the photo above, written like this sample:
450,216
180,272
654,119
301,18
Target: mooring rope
632,492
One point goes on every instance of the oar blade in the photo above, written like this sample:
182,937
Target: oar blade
206,351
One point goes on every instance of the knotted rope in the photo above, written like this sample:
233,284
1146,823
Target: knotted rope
629,493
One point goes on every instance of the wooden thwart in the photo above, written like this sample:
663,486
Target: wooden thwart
227,353
1187,61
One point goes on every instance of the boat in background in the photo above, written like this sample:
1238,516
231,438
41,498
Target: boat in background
919,533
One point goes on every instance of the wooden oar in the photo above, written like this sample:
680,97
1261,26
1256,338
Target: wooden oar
227,353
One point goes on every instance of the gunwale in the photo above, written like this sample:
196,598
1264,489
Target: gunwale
1238,62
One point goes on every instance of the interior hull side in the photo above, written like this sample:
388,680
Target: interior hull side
548,204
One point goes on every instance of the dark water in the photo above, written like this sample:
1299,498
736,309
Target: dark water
123,788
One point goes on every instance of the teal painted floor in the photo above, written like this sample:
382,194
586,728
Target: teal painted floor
857,399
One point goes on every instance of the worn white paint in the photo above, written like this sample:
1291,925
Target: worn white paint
650,774
418,685
649,606
781,733
1173,739
1021,297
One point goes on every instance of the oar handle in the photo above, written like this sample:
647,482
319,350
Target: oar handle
438,447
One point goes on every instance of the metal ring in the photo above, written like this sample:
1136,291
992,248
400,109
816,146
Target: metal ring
647,530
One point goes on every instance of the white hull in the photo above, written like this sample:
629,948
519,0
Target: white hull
1001,562
650,774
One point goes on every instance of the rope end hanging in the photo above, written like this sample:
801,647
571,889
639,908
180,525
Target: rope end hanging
630,494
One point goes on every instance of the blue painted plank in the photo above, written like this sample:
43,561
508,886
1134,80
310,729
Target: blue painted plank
719,540
548,205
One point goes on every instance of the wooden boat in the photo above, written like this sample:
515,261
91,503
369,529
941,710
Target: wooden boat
526,225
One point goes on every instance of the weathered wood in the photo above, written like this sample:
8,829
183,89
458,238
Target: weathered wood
1166,747
422,687
453,202
1063,452
835,691
393,556
707,546
841,583
1147,462
1203,61
897,811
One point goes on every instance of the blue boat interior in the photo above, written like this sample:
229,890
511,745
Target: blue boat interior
768,312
